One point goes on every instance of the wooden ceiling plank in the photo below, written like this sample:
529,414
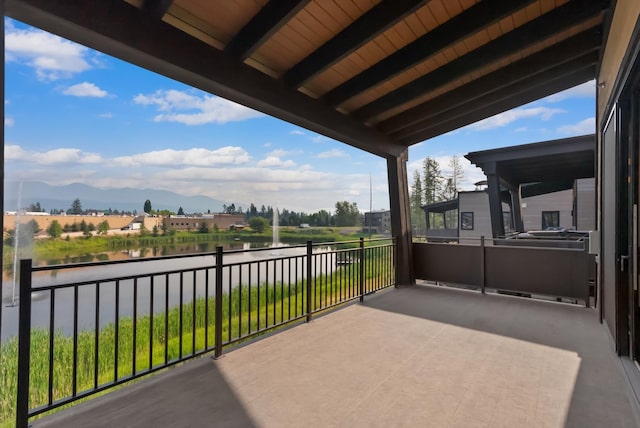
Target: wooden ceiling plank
463,25
364,29
532,94
123,31
565,51
273,16
506,90
533,32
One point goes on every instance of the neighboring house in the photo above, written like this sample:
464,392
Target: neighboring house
223,221
377,222
572,209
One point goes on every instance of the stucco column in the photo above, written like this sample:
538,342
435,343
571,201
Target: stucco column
400,216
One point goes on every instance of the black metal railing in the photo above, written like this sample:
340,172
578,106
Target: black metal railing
121,320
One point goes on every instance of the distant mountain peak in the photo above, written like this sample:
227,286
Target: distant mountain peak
126,198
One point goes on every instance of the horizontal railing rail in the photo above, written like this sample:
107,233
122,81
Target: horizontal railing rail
78,336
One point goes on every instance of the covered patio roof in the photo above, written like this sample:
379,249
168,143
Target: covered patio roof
563,160
378,75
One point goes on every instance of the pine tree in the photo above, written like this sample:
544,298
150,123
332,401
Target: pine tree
432,181
417,216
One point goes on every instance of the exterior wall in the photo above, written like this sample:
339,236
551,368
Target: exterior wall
624,20
586,204
44,221
379,221
478,203
223,221
611,78
557,201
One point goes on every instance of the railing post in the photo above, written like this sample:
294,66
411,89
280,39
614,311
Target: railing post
362,269
585,255
309,261
218,307
24,345
482,264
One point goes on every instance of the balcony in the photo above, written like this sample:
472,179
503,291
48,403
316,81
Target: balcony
367,355
415,356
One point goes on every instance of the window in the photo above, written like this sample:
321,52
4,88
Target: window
466,220
550,219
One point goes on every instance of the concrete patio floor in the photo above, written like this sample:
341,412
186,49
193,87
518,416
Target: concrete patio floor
415,357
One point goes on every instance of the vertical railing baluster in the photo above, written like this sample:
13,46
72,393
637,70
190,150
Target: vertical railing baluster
24,345
116,336
239,291
166,319
309,257
249,299
258,314
218,314
193,316
52,329
180,330
151,309
74,369
362,269
482,264
96,338
206,309
266,295
135,326
230,304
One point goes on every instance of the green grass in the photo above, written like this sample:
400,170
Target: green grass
274,303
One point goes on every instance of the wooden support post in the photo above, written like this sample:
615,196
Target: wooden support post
401,217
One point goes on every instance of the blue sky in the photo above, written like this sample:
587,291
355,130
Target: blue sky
74,115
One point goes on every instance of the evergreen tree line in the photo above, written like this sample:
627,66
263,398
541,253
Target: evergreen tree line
432,186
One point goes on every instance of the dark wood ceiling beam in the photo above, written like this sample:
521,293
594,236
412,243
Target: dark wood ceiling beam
374,22
123,31
467,23
505,92
549,24
534,93
156,8
268,21
546,59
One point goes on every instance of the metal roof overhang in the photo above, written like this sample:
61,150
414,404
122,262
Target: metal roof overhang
556,163
378,75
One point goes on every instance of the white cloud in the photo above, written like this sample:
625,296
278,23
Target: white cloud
585,90
297,132
198,156
183,107
586,126
8,121
51,56
275,162
51,157
507,117
333,153
85,89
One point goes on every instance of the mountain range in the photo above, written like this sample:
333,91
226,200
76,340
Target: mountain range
127,199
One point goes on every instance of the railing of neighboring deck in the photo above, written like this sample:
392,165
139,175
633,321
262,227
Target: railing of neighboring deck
111,329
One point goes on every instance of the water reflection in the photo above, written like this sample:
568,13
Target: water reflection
158,286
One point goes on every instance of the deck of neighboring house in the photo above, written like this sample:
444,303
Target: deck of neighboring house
415,356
